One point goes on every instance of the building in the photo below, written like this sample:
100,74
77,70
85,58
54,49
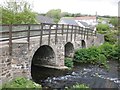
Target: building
45,19
69,21
90,20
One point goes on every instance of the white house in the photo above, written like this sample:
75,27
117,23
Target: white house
90,20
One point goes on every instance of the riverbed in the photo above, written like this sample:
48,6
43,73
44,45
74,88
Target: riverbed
93,76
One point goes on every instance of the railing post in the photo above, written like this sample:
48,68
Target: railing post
79,30
75,33
49,34
62,28
71,32
10,40
28,37
87,32
41,33
67,33
91,32
56,33
95,33
84,32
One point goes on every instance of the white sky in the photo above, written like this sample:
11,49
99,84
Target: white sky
103,7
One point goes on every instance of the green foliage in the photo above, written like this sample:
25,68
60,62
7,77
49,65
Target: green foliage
91,55
115,55
79,87
17,13
98,55
66,14
114,21
94,55
55,14
81,55
102,28
106,49
21,83
111,37
102,59
69,62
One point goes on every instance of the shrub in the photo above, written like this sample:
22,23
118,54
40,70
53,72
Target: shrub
106,49
102,59
68,62
94,54
81,55
102,28
21,83
90,55
98,55
111,37
115,55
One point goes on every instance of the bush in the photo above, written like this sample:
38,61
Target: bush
21,83
102,28
107,49
102,59
68,62
81,55
115,55
94,55
90,55
111,37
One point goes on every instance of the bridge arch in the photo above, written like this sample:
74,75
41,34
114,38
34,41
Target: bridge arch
69,49
44,55
83,44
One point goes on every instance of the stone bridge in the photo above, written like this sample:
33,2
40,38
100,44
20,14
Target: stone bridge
23,46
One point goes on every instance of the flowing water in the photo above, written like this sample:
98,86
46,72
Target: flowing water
90,75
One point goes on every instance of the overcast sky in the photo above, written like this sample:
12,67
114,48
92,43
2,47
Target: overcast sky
102,7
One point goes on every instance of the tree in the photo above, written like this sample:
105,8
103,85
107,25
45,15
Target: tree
55,14
114,22
17,13
66,14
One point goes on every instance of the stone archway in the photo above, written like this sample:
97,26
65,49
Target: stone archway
44,56
83,44
69,49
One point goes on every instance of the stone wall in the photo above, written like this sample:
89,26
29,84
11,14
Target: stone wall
20,58
5,64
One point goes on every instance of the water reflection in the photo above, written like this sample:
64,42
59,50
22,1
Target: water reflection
91,75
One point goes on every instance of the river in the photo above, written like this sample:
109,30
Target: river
90,75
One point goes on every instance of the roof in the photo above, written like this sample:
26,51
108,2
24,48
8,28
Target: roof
92,27
44,19
69,21
84,23
85,18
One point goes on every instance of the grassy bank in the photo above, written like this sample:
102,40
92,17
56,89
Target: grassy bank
22,84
